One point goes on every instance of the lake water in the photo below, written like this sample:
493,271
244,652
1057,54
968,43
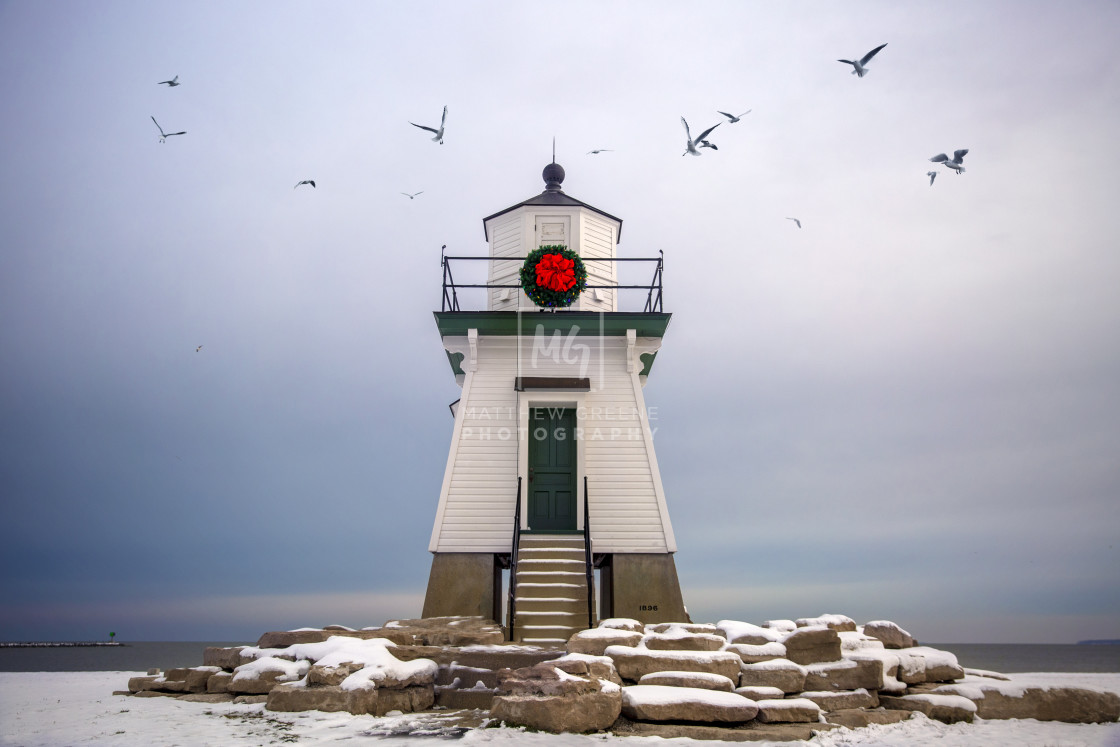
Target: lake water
140,656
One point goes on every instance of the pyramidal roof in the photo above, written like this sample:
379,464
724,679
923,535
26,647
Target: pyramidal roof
553,175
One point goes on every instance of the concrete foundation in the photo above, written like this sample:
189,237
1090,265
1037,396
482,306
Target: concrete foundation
464,583
643,587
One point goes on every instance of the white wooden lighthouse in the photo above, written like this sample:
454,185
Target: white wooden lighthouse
552,472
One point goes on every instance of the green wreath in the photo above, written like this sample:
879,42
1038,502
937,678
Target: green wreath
553,276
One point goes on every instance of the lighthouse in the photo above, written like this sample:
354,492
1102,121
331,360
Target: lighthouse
552,512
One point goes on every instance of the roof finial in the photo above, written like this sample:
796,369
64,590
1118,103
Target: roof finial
554,149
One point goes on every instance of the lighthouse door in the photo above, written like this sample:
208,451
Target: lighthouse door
552,468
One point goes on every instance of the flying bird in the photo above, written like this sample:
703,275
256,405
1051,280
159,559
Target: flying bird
691,146
955,164
859,67
795,220
733,118
169,83
306,181
438,133
164,135
413,195
932,175
198,348
600,150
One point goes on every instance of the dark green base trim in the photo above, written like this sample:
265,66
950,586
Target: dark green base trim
551,531
585,323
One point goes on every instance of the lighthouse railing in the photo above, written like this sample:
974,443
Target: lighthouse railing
513,563
587,555
653,304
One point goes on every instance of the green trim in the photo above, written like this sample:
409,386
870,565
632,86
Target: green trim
552,531
647,358
582,323
456,360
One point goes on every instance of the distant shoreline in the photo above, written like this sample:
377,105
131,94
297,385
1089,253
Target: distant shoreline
1101,642
56,644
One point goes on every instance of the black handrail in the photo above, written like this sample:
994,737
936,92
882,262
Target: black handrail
653,299
587,557
513,562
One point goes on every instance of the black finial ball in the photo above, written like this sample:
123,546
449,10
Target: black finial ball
553,176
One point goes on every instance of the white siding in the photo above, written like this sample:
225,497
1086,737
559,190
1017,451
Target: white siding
627,505
518,232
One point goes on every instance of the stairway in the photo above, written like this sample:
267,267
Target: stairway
551,594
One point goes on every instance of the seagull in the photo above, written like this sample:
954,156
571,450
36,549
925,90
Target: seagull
306,181
795,220
860,66
955,164
600,150
733,118
932,175
198,348
690,147
413,195
170,83
439,133
164,135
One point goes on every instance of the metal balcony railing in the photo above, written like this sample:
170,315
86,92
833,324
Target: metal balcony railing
653,300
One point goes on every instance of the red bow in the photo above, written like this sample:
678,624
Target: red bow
556,272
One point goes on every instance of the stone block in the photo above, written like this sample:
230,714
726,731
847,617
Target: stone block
788,710
780,673
858,718
810,645
219,682
760,692
141,684
547,679
847,674
752,654
198,677
372,701
701,680
948,709
1069,704
924,664
633,663
673,641
659,703
226,658
453,699
590,712
842,700
890,634
596,640
839,623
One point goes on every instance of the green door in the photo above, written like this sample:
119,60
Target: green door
552,468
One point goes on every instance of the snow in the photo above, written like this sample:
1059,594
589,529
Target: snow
54,709
290,670
826,621
733,629
716,679
944,700
625,623
640,695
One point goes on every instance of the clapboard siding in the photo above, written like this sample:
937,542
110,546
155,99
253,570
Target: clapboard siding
476,511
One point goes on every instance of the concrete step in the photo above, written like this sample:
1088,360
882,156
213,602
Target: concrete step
559,579
544,565
574,604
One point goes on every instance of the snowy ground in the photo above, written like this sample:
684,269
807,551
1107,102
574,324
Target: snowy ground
77,708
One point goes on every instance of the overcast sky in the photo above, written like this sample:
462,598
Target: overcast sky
908,409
